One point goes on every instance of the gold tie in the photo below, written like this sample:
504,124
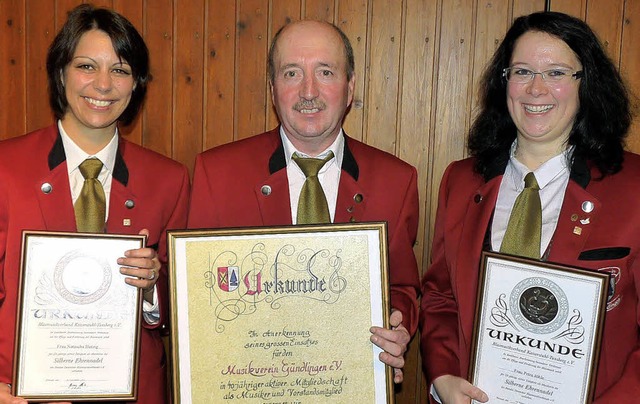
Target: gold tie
525,223
90,206
312,206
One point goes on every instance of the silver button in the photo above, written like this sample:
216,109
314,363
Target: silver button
266,190
46,188
129,204
587,206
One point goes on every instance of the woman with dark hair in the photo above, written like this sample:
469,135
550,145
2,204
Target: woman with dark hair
98,69
553,117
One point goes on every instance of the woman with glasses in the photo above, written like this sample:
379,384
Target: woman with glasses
554,113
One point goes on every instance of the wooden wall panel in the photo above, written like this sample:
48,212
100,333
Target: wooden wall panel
319,10
606,19
40,30
12,68
418,63
576,8
630,65
381,102
353,19
492,21
157,133
188,81
251,75
220,64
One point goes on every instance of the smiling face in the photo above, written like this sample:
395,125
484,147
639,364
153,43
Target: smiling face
310,89
543,113
98,87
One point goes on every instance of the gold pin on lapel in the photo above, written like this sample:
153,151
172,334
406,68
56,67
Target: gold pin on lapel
126,222
577,230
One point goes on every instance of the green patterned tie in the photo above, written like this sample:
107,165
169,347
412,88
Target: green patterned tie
525,223
90,206
312,205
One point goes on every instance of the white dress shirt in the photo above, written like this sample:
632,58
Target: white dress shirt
552,177
329,175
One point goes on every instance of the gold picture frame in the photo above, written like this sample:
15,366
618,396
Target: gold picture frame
279,313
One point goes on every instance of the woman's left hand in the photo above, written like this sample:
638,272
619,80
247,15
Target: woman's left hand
142,268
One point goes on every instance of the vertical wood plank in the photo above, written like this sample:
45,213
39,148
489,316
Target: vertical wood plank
40,31
453,87
630,66
605,18
101,3
322,10
132,10
281,13
491,24
12,68
63,7
352,19
416,100
251,78
188,96
524,7
219,72
157,114
576,8
382,92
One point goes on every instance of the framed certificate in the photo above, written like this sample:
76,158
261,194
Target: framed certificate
537,331
78,323
279,314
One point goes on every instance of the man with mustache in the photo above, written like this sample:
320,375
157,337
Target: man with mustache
258,181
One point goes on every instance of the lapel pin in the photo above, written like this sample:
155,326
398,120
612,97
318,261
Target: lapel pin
587,206
574,217
126,222
129,204
46,188
585,221
266,190
577,230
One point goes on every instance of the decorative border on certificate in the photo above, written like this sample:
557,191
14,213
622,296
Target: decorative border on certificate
78,323
279,314
537,330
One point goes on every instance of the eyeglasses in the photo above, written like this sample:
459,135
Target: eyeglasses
552,76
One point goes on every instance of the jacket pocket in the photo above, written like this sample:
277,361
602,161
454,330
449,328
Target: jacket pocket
600,254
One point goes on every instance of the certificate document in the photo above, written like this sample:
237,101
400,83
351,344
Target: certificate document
537,332
78,321
273,315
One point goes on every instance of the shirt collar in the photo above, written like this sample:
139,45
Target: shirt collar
546,173
75,155
337,147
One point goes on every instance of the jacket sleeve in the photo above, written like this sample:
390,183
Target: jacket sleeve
177,220
438,309
404,278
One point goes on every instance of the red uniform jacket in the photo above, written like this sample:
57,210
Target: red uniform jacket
244,183
609,241
147,188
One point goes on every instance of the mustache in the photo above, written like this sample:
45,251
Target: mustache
309,104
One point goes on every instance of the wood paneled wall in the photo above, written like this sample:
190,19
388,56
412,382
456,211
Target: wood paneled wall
417,66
